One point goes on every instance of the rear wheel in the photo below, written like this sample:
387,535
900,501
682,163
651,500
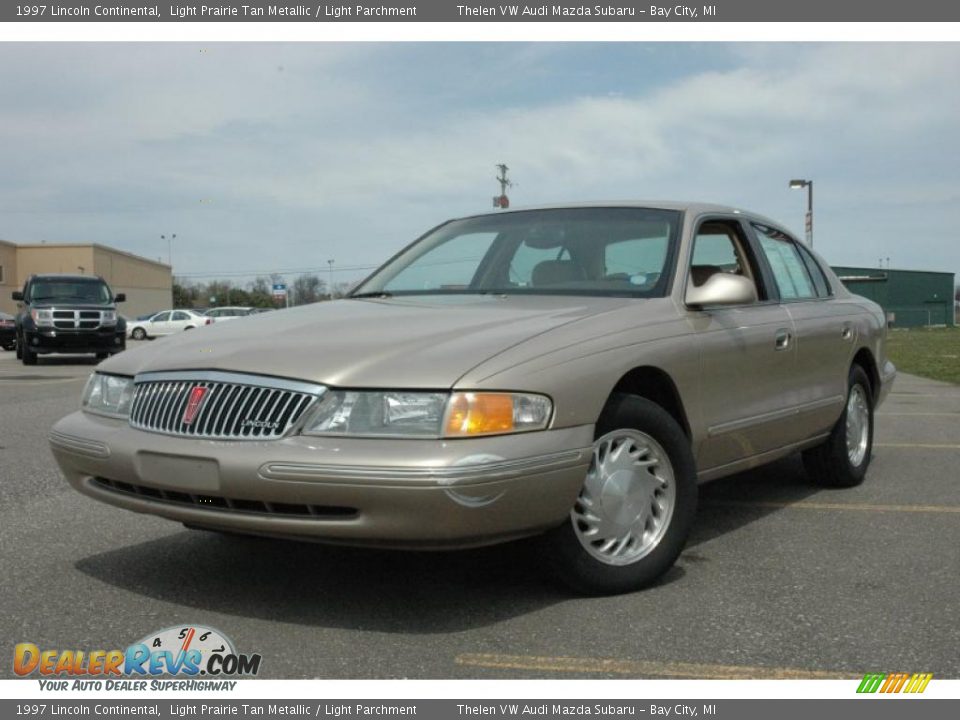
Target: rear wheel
637,504
842,460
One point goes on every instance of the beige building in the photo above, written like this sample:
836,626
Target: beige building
147,284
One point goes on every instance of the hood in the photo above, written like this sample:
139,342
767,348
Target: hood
423,342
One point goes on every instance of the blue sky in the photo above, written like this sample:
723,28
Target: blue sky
267,156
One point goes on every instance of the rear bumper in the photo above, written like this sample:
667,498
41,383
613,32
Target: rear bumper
888,373
402,493
45,341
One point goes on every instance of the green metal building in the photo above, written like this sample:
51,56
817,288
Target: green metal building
911,298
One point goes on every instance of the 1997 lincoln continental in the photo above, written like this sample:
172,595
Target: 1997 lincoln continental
571,371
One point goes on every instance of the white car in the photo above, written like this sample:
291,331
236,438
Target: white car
228,313
167,322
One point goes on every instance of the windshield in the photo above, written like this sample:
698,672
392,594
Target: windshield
576,251
89,292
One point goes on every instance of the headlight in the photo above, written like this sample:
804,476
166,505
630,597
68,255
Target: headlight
425,414
42,318
108,317
108,395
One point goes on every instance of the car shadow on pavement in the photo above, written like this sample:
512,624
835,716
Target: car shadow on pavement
395,591
738,500
52,360
332,586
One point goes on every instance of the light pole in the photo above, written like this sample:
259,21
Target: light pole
808,184
330,265
169,248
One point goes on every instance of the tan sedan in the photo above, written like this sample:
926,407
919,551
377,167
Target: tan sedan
569,372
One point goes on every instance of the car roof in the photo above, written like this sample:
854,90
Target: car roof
66,276
692,207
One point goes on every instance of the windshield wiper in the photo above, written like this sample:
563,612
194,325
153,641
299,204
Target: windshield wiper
380,294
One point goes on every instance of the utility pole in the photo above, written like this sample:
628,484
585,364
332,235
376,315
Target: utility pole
502,201
169,249
330,265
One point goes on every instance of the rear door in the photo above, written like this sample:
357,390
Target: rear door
825,328
181,320
747,353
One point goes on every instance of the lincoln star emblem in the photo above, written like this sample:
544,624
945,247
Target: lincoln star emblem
193,404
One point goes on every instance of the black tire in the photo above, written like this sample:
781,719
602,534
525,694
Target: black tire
9,347
139,334
830,464
19,348
27,355
102,356
565,552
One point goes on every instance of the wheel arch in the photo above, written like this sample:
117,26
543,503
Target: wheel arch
864,358
655,385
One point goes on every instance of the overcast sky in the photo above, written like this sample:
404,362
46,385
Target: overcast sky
282,156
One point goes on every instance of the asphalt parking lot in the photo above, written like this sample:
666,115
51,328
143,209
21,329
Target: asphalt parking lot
780,579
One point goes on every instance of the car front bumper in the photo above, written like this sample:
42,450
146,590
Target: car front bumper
402,493
44,341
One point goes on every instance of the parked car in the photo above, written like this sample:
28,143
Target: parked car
72,314
568,372
228,313
8,332
167,322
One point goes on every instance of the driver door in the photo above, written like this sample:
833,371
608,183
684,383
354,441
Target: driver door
747,354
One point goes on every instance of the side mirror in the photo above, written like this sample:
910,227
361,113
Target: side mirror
121,297
18,296
722,289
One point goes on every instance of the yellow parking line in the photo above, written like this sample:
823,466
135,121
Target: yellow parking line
861,507
922,446
642,668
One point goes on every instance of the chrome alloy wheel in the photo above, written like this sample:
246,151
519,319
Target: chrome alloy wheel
627,500
858,425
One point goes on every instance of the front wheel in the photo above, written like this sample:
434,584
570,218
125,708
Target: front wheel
139,334
634,513
28,356
843,459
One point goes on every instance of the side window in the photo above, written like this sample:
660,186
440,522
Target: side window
717,248
448,266
180,316
819,278
789,270
162,317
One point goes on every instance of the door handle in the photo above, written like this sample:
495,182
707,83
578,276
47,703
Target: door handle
782,339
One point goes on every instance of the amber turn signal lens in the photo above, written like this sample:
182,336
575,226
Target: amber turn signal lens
479,414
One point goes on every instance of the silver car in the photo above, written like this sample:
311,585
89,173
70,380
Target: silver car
570,372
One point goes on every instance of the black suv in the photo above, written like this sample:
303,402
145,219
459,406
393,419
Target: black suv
68,314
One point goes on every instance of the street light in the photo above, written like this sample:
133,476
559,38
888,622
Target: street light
330,263
808,184
169,248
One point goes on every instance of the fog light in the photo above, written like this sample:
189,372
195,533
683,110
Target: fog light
35,341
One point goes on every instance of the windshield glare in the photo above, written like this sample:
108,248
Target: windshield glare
576,251
91,292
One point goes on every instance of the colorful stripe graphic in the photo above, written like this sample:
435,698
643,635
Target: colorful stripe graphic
894,682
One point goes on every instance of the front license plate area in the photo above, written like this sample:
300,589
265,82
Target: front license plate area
190,474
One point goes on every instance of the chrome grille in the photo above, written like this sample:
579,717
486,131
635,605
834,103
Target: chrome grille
231,406
77,319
